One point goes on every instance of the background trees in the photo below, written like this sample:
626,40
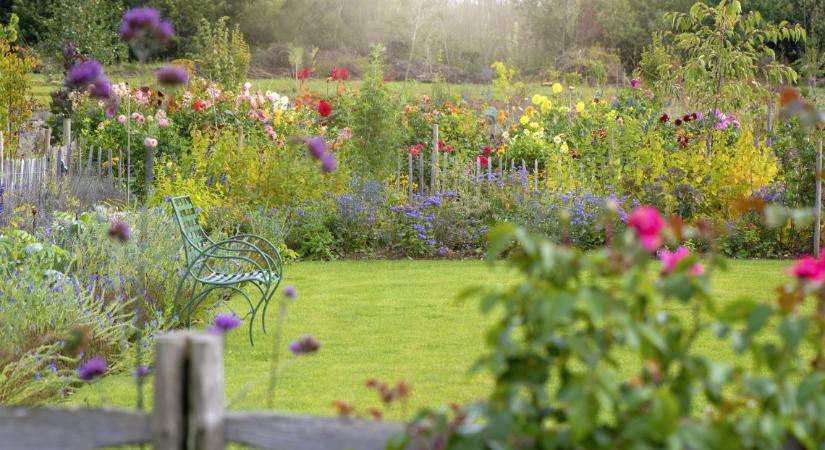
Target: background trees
541,37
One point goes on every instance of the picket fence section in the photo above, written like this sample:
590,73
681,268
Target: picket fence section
73,160
188,413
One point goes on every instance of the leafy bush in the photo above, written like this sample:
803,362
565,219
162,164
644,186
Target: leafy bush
16,65
372,117
222,55
605,349
96,36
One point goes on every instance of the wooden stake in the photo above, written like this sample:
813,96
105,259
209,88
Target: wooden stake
818,200
434,168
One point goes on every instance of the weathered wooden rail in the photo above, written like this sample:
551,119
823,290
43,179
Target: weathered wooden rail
188,413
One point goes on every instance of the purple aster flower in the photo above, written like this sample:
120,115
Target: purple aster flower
142,372
101,88
305,345
317,147
84,73
142,18
224,323
329,163
92,369
120,231
172,76
290,292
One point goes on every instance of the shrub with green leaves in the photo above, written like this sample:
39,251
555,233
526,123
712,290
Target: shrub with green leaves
222,55
604,349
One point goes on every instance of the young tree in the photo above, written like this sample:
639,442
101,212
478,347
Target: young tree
726,57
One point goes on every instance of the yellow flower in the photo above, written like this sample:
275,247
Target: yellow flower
525,119
546,105
534,125
556,88
579,106
536,99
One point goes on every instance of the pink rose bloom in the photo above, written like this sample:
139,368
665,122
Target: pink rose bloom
138,117
671,259
121,119
808,268
634,83
619,121
163,122
648,224
697,270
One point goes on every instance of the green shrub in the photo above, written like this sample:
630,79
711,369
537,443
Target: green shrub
608,349
221,55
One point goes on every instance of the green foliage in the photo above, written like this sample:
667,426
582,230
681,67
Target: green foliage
565,338
20,249
16,66
91,24
221,55
723,52
373,118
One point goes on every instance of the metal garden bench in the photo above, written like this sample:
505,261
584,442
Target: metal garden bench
228,264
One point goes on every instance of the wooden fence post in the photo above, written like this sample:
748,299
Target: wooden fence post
169,413
67,141
109,165
89,161
206,408
434,168
410,175
421,173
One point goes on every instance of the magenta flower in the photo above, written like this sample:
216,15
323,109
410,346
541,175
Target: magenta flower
83,74
172,76
671,259
92,369
224,323
305,345
317,147
648,224
808,268
290,292
634,83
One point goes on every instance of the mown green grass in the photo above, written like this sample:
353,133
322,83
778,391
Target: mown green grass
392,320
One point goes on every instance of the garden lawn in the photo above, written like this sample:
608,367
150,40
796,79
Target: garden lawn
392,320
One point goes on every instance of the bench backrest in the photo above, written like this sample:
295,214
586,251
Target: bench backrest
195,239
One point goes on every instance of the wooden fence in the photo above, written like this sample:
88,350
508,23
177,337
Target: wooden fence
73,159
188,413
